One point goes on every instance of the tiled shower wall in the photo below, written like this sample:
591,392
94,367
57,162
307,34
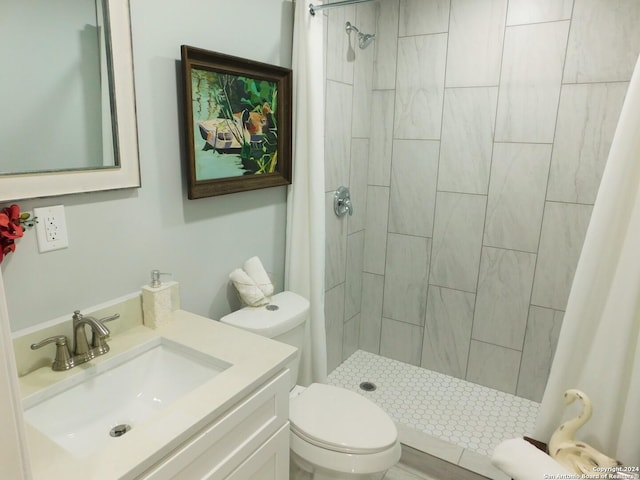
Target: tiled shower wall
348,85
474,151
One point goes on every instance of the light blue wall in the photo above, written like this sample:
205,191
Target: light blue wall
116,238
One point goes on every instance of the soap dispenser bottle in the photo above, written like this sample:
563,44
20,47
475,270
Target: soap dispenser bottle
159,300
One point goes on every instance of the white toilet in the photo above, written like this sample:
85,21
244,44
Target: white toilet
335,433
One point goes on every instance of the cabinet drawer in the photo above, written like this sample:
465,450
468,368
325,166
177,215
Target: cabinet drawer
222,446
269,462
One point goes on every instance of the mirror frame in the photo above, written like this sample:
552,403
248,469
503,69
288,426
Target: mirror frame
127,174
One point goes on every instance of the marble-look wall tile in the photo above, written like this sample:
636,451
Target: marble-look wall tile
401,341
406,274
537,11
339,62
371,312
337,135
563,230
335,245
604,41
603,51
519,175
418,17
447,332
384,68
420,86
367,16
467,139
363,73
351,334
475,42
493,366
587,119
334,325
457,240
504,290
355,259
414,173
541,339
381,140
530,82
375,239
358,183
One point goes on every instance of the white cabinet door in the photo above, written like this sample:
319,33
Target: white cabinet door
269,462
222,446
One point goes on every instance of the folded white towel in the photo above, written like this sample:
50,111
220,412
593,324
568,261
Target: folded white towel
247,288
522,461
256,271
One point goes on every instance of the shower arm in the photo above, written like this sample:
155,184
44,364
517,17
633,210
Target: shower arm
349,28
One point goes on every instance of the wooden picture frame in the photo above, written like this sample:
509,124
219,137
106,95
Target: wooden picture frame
238,123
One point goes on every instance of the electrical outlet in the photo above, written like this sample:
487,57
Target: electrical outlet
51,229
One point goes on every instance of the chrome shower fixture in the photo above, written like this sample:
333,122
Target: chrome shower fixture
364,39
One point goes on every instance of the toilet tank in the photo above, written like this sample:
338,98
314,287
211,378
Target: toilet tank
283,319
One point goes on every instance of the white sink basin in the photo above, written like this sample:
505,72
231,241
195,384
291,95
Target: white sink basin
79,413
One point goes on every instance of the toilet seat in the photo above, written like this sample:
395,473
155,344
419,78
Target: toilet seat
339,420
350,463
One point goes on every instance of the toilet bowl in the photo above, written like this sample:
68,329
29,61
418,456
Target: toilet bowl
335,433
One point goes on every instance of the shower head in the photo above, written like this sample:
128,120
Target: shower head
364,39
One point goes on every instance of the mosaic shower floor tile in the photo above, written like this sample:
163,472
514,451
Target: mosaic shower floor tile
471,416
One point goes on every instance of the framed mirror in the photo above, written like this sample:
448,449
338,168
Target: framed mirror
67,116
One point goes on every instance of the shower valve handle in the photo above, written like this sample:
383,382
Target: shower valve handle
342,202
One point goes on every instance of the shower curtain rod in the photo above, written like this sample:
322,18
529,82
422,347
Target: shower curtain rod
314,8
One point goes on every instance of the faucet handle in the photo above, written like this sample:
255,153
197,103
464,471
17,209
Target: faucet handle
109,318
63,360
99,342
77,316
342,202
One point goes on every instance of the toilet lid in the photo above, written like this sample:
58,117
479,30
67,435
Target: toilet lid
338,419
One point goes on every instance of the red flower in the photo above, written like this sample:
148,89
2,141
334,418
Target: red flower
10,229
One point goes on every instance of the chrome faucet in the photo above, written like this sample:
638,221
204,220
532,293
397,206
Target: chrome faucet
82,351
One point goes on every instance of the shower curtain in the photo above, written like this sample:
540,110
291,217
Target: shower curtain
598,349
304,260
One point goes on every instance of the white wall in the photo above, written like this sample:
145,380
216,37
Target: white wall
116,238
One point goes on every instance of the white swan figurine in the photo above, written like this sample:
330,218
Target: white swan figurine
577,456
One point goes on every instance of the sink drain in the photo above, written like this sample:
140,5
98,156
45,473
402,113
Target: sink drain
368,386
119,430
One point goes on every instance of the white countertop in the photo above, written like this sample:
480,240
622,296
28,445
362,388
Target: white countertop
254,359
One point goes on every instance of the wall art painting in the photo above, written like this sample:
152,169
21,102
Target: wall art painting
237,123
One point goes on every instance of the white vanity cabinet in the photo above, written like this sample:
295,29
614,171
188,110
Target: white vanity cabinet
249,441
233,425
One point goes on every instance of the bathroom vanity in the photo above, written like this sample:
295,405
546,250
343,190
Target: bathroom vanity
230,423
